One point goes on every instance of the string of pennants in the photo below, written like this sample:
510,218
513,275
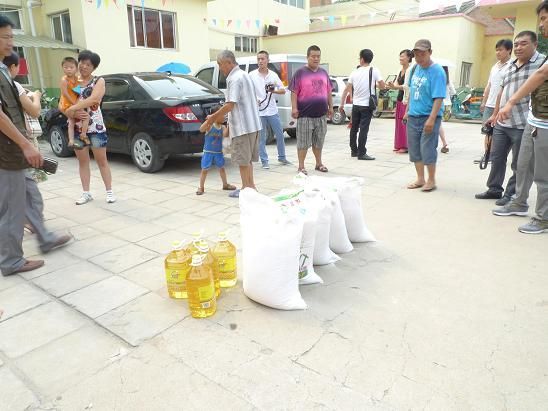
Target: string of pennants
118,3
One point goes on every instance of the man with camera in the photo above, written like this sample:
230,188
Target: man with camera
508,132
16,154
267,83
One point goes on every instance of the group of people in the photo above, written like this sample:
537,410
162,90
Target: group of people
21,204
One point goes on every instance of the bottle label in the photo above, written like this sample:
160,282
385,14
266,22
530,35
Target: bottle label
206,293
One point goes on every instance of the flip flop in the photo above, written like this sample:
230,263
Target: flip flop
321,168
229,187
412,186
302,170
199,192
428,189
234,194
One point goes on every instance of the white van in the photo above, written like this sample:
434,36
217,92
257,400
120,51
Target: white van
284,65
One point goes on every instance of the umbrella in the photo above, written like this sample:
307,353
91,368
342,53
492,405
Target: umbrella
175,67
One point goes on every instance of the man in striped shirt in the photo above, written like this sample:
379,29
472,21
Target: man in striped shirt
507,133
244,123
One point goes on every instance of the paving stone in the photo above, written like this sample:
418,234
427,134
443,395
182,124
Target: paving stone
20,298
114,223
10,281
14,394
55,260
150,274
144,317
148,212
176,219
139,232
93,246
83,352
71,278
80,232
104,296
148,379
161,243
122,258
37,327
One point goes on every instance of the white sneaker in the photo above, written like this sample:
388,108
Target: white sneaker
84,198
110,197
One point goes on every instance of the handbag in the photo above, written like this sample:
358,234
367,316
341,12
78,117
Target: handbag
373,101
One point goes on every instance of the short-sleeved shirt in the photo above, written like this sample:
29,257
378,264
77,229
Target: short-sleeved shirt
359,79
268,105
425,85
513,79
213,141
244,117
495,80
313,89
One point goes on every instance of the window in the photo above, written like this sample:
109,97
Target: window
294,3
246,44
465,70
117,90
61,27
151,28
206,75
24,76
175,86
14,15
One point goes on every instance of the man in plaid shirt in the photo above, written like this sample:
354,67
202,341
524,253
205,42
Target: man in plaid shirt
507,133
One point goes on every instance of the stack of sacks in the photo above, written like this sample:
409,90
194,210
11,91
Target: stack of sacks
271,241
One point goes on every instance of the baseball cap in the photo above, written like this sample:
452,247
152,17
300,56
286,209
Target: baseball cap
423,45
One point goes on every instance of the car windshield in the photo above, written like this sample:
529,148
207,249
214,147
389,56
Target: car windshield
175,86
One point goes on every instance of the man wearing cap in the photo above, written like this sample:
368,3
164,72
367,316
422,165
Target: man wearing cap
427,87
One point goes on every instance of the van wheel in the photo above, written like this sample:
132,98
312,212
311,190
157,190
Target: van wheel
338,118
59,142
291,132
145,153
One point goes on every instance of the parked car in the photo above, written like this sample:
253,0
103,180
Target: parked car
284,65
338,85
150,116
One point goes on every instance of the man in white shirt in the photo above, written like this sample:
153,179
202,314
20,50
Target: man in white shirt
503,51
364,81
267,84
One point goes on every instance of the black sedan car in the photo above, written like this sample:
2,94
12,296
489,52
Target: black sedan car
149,116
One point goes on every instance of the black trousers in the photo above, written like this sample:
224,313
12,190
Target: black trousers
361,119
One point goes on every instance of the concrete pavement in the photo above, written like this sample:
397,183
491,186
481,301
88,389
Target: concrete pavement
448,310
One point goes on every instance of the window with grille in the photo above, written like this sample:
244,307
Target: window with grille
151,28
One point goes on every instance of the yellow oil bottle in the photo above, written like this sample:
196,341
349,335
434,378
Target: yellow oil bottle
201,289
209,260
224,253
196,238
177,267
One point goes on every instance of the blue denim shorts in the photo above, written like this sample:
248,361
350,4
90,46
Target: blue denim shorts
422,147
98,140
209,159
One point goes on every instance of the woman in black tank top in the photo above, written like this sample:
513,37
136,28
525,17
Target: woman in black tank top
400,133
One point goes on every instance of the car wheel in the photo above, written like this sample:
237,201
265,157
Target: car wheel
291,132
338,117
145,154
59,142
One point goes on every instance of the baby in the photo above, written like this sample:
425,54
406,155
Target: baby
69,96
213,153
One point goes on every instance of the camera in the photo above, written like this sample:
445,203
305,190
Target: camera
269,88
487,129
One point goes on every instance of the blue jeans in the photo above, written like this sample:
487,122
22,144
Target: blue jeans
276,126
422,147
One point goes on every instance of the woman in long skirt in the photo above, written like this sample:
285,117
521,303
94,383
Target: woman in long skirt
400,135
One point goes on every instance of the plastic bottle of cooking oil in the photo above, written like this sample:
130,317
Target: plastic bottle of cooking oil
201,289
196,238
177,266
209,260
224,253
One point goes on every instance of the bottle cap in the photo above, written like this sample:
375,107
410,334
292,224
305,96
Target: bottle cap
196,260
197,235
203,246
221,236
177,245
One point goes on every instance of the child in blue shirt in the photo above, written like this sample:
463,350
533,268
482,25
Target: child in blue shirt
213,153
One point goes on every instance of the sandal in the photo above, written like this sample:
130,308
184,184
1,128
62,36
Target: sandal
445,149
428,188
199,192
321,168
412,186
229,187
302,170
